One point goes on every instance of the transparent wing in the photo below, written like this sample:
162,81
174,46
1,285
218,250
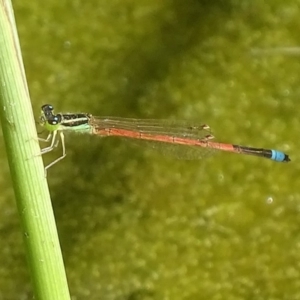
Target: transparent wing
175,138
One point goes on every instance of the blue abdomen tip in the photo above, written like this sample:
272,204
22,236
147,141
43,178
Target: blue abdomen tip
279,156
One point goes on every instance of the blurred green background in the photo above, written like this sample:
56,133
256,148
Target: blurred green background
135,224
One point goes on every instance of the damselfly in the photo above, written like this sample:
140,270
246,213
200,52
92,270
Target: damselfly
158,131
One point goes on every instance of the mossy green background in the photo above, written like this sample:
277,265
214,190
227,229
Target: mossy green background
138,225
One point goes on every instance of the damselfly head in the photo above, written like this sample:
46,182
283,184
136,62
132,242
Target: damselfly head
47,116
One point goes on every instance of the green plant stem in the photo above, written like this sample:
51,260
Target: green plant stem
27,171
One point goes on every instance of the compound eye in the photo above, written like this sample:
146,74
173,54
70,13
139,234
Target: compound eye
47,108
54,120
